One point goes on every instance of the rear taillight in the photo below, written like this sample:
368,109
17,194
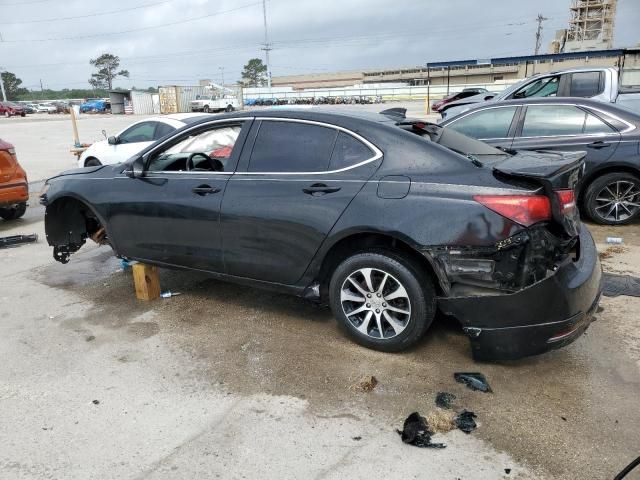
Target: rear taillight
567,201
523,209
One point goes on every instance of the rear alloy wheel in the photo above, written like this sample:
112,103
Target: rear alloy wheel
613,199
13,213
381,301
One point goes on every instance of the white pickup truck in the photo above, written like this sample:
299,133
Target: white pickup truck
214,103
599,83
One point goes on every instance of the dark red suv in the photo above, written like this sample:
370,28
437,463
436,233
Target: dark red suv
10,109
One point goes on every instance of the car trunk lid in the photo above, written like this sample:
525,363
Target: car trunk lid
558,173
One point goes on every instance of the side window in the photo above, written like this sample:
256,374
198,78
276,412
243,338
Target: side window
142,132
292,147
489,123
549,120
348,151
543,87
162,130
586,84
594,125
209,151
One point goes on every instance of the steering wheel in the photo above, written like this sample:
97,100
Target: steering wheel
190,166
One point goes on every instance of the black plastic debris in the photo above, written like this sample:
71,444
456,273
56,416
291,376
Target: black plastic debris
627,469
444,399
465,421
473,380
416,432
614,285
507,471
16,240
357,439
95,402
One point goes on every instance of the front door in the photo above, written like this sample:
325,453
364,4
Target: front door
171,215
289,191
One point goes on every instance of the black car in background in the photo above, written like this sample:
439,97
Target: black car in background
609,193
383,218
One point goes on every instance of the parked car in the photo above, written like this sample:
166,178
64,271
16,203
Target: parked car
95,106
45,108
384,224
14,188
28,108
10,109
133,139
602,84
465,93
214,103
610,190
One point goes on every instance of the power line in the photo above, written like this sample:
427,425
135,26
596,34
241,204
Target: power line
539,19
48,20
133,30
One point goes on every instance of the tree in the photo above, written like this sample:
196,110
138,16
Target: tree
12,86
107,65
254,73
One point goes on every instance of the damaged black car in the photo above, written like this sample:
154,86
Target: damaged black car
384,218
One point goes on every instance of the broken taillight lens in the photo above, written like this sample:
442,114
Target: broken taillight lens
567,201
523,209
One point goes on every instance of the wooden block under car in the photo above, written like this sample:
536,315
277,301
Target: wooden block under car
146,281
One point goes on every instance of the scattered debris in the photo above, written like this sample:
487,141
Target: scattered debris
416,432
90,338
367,384
507,471
614,240
17,240
473,380
170,294
357,439
441,421
444,399
95,402
614,285
611,251
563,418
465,421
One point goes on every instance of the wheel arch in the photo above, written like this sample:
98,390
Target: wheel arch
594,175
361,241
70,220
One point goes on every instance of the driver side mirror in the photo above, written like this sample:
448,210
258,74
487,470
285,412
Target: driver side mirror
135,169
112,140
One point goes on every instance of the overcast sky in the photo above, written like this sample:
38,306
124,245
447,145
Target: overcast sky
181,41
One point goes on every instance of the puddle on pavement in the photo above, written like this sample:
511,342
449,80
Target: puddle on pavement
250,341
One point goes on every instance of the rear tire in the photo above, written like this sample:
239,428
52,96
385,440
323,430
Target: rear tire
205,109
229,108
402,307
92,162
13,213
613,198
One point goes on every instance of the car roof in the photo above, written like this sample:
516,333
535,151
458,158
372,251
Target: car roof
181,117
585,102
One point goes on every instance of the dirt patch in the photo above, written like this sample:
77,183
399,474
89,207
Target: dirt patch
611,251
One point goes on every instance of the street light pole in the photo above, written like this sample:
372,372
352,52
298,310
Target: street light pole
267,45
222,73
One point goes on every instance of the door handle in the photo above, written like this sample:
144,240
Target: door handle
318,189
598,145
203,190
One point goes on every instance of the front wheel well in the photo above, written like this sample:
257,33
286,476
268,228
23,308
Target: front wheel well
361,242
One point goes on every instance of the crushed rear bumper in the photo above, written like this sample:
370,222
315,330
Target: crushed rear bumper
547,315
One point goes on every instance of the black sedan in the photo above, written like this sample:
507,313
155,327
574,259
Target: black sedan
610,190
383,218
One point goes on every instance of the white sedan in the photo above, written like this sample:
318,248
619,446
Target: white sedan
133,139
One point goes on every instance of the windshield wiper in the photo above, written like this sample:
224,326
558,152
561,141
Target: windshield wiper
474,160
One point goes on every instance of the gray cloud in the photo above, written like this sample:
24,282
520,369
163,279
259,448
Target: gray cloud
308,36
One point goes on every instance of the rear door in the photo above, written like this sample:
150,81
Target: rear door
567,128
294,182
494,125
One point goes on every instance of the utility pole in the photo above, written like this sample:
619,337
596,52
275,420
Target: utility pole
540,19
267,45
41,89
222,73
4,94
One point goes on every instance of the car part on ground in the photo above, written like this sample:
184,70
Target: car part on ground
614,285
381,217
473,380
16,240
14,188
416,432
609,192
